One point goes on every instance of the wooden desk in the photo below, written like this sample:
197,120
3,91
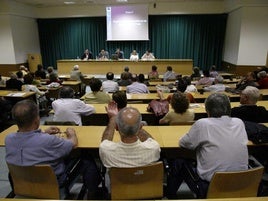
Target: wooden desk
15,96
75,85
53,92
182,66
90,136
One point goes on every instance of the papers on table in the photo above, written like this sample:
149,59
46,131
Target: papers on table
17,94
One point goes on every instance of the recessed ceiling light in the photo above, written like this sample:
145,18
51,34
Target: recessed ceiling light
121,1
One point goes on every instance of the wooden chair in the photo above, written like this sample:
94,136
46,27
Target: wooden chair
137,183
35,181
235,184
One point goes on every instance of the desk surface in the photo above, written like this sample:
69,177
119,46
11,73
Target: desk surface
16,94
90,136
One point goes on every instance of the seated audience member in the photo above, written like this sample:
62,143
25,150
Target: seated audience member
190,87
14,83
248,110
181,112
40,72
126,73
52,76
134,56
213,72
181,86
24,70
169,74
259,69
67,108
153,74
5,114
96,95
120,54
136,148
148,55
135,87
248,80
141,79
206,80
32,146
29,86
220,143
120,98
2,81
20,76
125,80
263,80
76,74
87,55
103,55
196,73
110,85
218,85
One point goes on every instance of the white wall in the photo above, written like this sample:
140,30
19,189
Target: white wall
232,37
253,36
7,55
25,37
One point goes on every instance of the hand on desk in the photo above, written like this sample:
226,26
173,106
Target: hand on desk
52,130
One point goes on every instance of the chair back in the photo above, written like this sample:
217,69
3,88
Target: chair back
137,182
235,184
37,181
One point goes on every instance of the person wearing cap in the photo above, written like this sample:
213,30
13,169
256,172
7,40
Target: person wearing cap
218,85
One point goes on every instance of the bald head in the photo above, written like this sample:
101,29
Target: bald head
25,113
128,121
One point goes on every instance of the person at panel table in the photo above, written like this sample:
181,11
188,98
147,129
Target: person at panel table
148,55
119,53
86,55
134,56
103,55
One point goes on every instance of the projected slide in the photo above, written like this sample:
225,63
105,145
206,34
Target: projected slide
127,22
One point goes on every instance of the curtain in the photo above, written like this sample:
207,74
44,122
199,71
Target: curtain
197,37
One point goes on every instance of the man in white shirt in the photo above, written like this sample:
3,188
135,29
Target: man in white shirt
136,87
136,148
66,108
220,143
218,85
148,56
109,85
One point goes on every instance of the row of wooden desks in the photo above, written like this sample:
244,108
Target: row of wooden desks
101,118
16,96
90,136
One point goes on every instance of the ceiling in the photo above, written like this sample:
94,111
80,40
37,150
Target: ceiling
52,3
